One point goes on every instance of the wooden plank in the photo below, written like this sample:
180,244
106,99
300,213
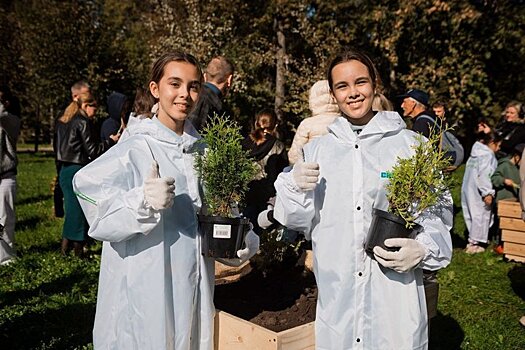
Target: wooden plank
298,338
514,249
509,208
512,224
234,333
513,236
515,258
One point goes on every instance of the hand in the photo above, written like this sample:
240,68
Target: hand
488,200
409,255
263,220
304,174
115,137
251,241
508,183
159,192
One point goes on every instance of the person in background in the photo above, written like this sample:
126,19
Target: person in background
9,132
511,128
324,111
439,108
506,182
477,193
269,154
78,88
218,81
141,199
118,115
364,302
76,145
415,106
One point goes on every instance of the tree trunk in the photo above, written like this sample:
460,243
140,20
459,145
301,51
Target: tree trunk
280,79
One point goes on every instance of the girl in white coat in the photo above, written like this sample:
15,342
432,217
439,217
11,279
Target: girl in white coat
141,198
477,193
363,303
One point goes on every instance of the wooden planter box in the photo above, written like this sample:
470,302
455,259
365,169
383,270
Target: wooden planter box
512,230
234,333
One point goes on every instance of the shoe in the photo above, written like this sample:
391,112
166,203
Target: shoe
7,262
498,249
474,249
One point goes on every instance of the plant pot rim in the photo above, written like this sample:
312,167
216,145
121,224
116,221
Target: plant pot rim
396,218
216,219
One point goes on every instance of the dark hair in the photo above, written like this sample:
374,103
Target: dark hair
13,103
157,71
488,137
265,123
219,69
439,103
349,55
143,102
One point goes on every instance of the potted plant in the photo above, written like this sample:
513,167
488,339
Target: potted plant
225,171
415,184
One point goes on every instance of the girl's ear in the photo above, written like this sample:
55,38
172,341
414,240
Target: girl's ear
154,89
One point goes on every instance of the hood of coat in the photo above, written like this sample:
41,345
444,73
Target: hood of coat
116,102
382,123
154,128
480,150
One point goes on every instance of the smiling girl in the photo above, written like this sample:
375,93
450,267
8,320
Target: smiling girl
364,302
141,198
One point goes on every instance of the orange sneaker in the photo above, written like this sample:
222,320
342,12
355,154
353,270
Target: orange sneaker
498,249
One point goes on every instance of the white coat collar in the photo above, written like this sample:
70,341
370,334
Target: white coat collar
382,123
154,128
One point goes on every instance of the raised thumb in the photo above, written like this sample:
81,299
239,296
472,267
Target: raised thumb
154,171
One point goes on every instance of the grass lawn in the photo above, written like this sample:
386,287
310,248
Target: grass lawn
48,301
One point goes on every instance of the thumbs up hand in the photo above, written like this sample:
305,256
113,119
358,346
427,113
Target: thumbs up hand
159,192
305,174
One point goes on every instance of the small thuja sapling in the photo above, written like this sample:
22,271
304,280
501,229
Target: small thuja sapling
418,182
225,168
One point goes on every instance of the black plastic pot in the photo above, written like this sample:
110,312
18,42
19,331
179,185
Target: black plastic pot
385,225
222,236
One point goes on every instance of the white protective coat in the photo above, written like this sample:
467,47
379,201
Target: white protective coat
155,288
361,304
477,184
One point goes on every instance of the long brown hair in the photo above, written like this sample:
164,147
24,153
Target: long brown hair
75,106
265,123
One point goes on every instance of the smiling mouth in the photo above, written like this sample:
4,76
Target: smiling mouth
355,102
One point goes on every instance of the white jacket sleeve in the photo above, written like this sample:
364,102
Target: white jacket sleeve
110,192
484,182
300,139
293,208
437,223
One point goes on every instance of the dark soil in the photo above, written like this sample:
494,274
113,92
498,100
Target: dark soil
277,301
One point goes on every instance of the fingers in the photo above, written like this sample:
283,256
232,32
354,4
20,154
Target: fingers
396,242
154,171
385,255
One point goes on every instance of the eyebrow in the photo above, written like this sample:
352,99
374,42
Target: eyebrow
177,79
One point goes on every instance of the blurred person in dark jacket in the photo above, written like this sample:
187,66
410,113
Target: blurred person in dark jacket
77,144
9,132
118,111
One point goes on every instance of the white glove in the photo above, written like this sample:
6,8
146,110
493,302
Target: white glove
159,192
409,255
304,174
262,219
251,241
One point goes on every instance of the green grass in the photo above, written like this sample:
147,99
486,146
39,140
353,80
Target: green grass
48,301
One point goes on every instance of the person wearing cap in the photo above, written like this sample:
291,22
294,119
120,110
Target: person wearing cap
415,106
